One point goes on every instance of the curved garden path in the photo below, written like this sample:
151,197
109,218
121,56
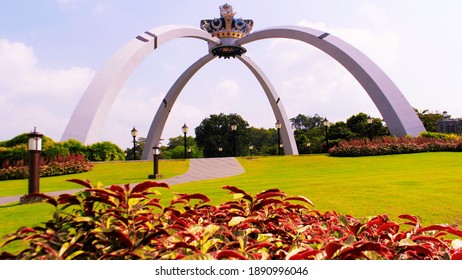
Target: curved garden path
199,169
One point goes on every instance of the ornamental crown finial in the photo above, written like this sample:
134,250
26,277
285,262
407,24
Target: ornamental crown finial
227,26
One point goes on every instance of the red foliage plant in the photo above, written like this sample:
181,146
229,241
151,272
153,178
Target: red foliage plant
120,222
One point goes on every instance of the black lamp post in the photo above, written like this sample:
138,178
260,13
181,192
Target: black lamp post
369,122
220,149
233,129
326,125
155,153
34,147
189,152
278,127
134,134
308,146
185,130
251,150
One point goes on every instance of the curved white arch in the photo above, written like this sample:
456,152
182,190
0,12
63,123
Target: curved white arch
396,111
92,110
158,124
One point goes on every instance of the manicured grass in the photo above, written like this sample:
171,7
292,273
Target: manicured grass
428,185
107,173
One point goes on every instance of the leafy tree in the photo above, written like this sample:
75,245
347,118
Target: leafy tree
429,119
215,132
361,129
309,129
105,151
302,122
261,139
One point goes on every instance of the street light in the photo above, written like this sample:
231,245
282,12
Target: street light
233,129
155,153
189,152
251,149
278,126
326,124
34,147
134,134
220,149
308,145
369,121
185,130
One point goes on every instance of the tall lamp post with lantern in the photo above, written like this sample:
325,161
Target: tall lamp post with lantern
35,147
326,125
233,129
134,133
185,130
155,153
278,127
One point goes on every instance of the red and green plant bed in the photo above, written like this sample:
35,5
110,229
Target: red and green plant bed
392,145
56,166
120,222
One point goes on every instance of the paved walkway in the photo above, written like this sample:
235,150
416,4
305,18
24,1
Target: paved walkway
199,169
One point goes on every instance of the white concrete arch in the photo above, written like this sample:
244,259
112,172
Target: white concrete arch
396,111
93,108
158,124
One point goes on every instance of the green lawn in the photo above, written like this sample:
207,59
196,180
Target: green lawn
107,173
428,184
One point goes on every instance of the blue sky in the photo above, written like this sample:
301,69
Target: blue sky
50,50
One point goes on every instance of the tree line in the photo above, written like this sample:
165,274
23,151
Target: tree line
215,137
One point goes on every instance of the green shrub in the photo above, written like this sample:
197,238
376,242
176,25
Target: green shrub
120,222
105,151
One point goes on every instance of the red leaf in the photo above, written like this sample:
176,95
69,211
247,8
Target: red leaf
379,220
229,254
305,255
270,193
142,187
184,245
448,229
237,190
332,248
420,250
86,183
300,198
44,197
260,205
457,255
392,227
414,219
68,199
155,202
260,245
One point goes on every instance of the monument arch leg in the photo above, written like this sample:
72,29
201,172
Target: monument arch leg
396,111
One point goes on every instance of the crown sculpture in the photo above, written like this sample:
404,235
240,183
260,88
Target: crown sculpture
228,29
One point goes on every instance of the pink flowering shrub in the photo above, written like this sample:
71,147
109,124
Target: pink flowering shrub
58,165
392,145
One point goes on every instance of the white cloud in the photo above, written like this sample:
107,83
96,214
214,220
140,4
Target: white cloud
20,73
36,96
